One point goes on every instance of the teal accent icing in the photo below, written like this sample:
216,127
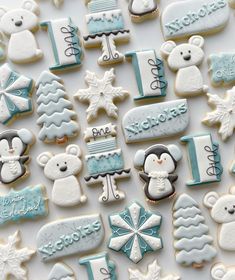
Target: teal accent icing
102,24
96,6
28,203
217,160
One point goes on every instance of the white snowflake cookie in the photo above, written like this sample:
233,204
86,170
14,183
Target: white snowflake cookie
101,94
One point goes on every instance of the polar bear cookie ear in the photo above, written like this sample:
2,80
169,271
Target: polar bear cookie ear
31,6
3,10
218,271
175,152
73,150
232,190
26,136
167,48
139,159
196,41
43,158
210,199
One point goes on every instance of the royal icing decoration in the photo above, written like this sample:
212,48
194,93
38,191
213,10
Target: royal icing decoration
56,117
2,47
12,257
61,271
106,28
29,203
222,68
70,236
153,273
135,232
149,73
194,17
155,121
99,267
223,115
65,43
221,272
141,10
223,212
14,146
101,94
204,159
158,164
15,92
193,244
18,24
105,161
184,59
63,169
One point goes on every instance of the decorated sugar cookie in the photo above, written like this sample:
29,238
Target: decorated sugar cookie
141,10
101,94
58,3
61,271
221,272
204,159
2,47
18,24
153,273
28,203
135,231
105,161
149,73
223,212
13,105
14,147
193,244
223,114
158,164
63,169
185,59
66,237
99,267
194,17
65,43
12,257
56,117
106,29
155,121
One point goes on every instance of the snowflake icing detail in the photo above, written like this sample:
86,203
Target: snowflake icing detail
15,92
101,94
135,232
11,258
224,113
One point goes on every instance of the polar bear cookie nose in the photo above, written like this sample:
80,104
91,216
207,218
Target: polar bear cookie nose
231,211
18,23
187,57
63,168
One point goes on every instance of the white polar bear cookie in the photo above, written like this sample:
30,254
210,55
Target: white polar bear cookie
19,24
185,59
221,272
223,212
62,169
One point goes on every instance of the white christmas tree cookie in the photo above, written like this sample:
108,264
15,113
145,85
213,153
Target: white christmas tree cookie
60,271
11,258
193,244
101,94
224,113
153,273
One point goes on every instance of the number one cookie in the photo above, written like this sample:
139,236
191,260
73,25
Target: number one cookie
149,73
204,159
65,43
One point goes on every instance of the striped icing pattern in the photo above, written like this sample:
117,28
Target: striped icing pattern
96,6
101,146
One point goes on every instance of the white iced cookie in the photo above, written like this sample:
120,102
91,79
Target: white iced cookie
19,24
223,212
223,113
185,59
12,257
221,272
62,169
153,273
141,10
58,3
61,271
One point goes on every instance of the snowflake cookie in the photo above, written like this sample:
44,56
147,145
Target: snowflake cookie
223,114
61,271
135,232
153,273
11,258
101,94
15,91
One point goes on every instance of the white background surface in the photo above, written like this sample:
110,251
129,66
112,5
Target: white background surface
144,35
